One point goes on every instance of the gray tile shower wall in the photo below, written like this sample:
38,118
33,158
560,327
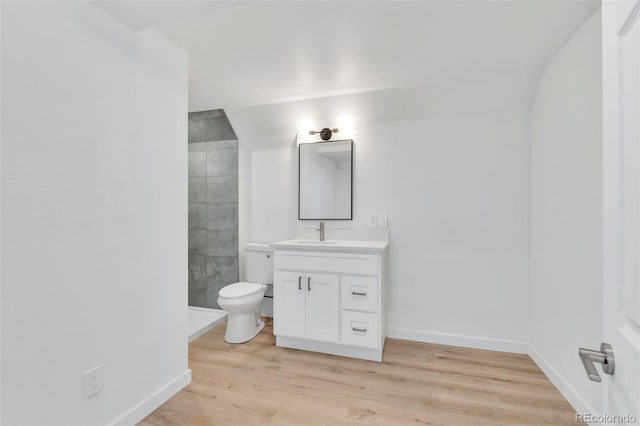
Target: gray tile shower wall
213,125
213,207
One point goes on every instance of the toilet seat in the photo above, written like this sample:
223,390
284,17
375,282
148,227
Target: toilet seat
240,290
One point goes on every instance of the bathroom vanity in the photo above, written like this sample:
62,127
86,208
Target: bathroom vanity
329,296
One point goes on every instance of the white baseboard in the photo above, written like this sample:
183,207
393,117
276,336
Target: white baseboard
330,348
459,340
147,406
562,385
567,391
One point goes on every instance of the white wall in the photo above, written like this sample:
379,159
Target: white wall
1,316
456,187
94,217
274,194
566,218
456,192
244,205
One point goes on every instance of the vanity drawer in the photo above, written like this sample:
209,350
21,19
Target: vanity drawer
359,293
359,329
337,263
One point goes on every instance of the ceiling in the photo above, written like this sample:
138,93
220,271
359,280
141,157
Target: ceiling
278,67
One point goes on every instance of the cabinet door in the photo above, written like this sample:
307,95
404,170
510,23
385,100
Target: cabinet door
323,307
289,304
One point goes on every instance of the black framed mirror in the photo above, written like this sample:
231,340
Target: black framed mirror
325,180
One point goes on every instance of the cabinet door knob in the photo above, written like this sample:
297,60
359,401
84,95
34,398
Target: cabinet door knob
309,284
357,293
299,283
360,330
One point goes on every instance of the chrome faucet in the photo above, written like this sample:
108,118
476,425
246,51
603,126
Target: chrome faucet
321,229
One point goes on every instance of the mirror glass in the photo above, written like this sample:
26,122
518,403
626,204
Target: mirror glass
324,180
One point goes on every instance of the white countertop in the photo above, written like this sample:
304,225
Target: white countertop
332,245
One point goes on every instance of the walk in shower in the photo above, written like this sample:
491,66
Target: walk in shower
213,216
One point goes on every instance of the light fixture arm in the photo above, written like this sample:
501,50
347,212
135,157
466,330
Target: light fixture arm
325,134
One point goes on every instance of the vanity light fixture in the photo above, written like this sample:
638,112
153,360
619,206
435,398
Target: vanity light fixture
325,134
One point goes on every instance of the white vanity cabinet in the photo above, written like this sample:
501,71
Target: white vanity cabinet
310,305
330,298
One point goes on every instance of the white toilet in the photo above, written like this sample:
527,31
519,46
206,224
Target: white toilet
243,300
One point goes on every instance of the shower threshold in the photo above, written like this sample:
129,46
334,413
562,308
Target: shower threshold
201,320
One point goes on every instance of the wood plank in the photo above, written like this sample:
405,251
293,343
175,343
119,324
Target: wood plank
257,383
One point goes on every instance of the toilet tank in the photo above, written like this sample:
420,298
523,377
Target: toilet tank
259,263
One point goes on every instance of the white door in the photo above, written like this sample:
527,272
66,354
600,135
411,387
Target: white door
621,214
323,307
289,304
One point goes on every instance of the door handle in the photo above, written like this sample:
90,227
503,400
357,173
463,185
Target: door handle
604,356
309,284
299,283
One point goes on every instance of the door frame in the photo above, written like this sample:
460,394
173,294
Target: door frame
614,23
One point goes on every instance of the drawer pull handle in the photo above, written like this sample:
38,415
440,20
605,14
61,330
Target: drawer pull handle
360,330
357,293
309,284
299,283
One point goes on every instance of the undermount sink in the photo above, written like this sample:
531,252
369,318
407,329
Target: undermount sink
306,242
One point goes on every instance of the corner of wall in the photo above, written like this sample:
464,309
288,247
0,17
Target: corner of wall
136,220
147,406
558,380
565,229
244,204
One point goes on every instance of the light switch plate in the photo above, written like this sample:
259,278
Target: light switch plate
373,220
382,220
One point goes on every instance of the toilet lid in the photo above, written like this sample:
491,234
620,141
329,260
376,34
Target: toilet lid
241,289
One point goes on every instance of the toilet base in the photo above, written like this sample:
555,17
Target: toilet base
242,327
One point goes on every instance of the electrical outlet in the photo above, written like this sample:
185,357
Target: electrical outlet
382,220
373,220
93,381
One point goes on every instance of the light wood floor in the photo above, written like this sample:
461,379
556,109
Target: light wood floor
257,383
